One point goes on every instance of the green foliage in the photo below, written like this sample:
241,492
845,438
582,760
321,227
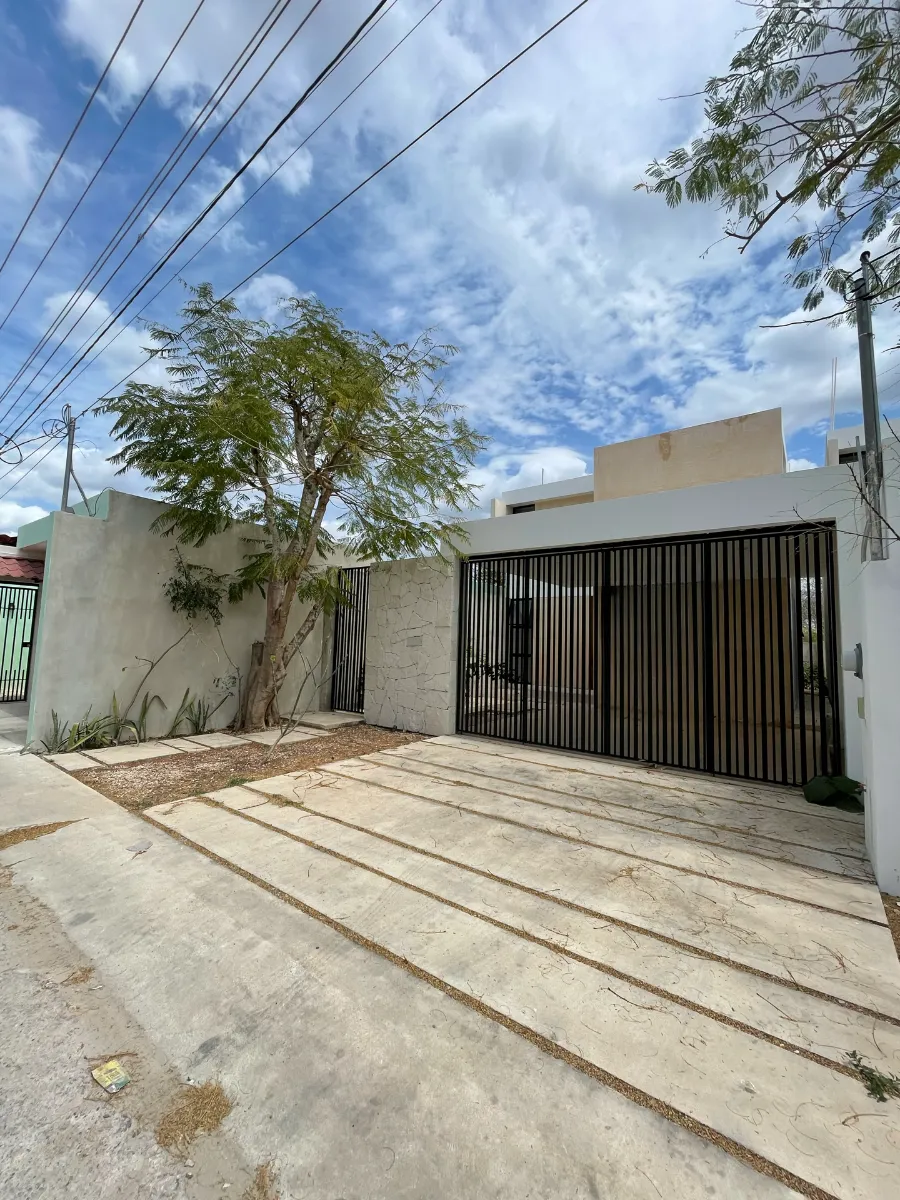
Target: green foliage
807,118
139,723
181,714
878,1085
200,711
56,743
91,733
196,591
275,425
119,722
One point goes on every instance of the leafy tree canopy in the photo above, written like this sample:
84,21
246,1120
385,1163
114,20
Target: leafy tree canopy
804,124
276,424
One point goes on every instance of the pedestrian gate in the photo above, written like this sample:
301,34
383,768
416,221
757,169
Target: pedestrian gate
348,683
716,652
17,605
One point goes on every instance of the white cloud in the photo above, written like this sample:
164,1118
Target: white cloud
262,295
20,153
12,515
801,464
585,312
506,471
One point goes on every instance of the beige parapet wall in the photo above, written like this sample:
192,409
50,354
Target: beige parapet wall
736,448
103,610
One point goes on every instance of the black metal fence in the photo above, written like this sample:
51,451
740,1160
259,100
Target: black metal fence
348,683
17,603
718,652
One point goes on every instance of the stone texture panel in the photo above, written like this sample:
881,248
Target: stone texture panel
411,646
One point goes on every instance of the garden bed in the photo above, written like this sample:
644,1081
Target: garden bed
138,785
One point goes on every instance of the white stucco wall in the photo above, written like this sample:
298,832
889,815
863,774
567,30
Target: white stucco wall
102,607
880,725
411,646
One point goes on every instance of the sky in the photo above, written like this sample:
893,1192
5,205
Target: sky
584,311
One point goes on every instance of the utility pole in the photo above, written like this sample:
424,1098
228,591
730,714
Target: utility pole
69,421
873,475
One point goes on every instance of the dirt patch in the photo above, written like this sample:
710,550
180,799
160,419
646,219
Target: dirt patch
892,912
199,1109
81,975
28,833
264,1185
139,785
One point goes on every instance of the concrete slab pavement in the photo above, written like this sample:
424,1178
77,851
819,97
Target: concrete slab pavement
793,881
357,1077
836,955
762,1095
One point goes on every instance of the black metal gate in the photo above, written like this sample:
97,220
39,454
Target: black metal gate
17,604
716,652
348,682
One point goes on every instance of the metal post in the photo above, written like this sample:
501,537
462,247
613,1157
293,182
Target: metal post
69,422
874,542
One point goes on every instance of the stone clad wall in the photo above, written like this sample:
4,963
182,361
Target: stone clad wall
411,646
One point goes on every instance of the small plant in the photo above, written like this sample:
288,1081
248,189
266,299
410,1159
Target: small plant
181,714
199,712
119,723
57,742
90,733
196,591
878,1085
237,780
139,723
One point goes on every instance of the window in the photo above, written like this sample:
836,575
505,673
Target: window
518,508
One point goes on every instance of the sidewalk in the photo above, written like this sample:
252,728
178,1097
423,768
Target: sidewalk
351,1076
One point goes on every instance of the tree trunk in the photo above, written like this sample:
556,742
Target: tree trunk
266,673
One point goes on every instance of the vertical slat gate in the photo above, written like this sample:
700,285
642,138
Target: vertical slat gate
717,652
17,607
348,681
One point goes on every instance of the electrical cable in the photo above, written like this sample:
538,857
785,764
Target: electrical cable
388,162
209,207
335,61
213,101
254,193
13,486
134,112
62,153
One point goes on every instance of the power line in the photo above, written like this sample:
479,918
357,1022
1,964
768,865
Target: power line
62,153
209,207
335,61
212,102
409,145
14,485
254,193
388,162
134,112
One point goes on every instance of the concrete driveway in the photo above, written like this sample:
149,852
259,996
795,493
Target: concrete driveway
475,969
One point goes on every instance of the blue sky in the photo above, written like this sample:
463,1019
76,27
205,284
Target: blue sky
585,312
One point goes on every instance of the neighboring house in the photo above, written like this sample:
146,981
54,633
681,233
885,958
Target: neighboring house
20,579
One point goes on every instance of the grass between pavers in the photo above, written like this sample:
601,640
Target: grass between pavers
141,784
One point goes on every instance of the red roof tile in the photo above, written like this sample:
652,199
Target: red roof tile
31,569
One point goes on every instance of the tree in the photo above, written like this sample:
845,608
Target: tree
807,118
279,424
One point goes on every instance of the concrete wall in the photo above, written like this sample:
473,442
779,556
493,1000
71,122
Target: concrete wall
880,723
411,646
103,607
736,448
